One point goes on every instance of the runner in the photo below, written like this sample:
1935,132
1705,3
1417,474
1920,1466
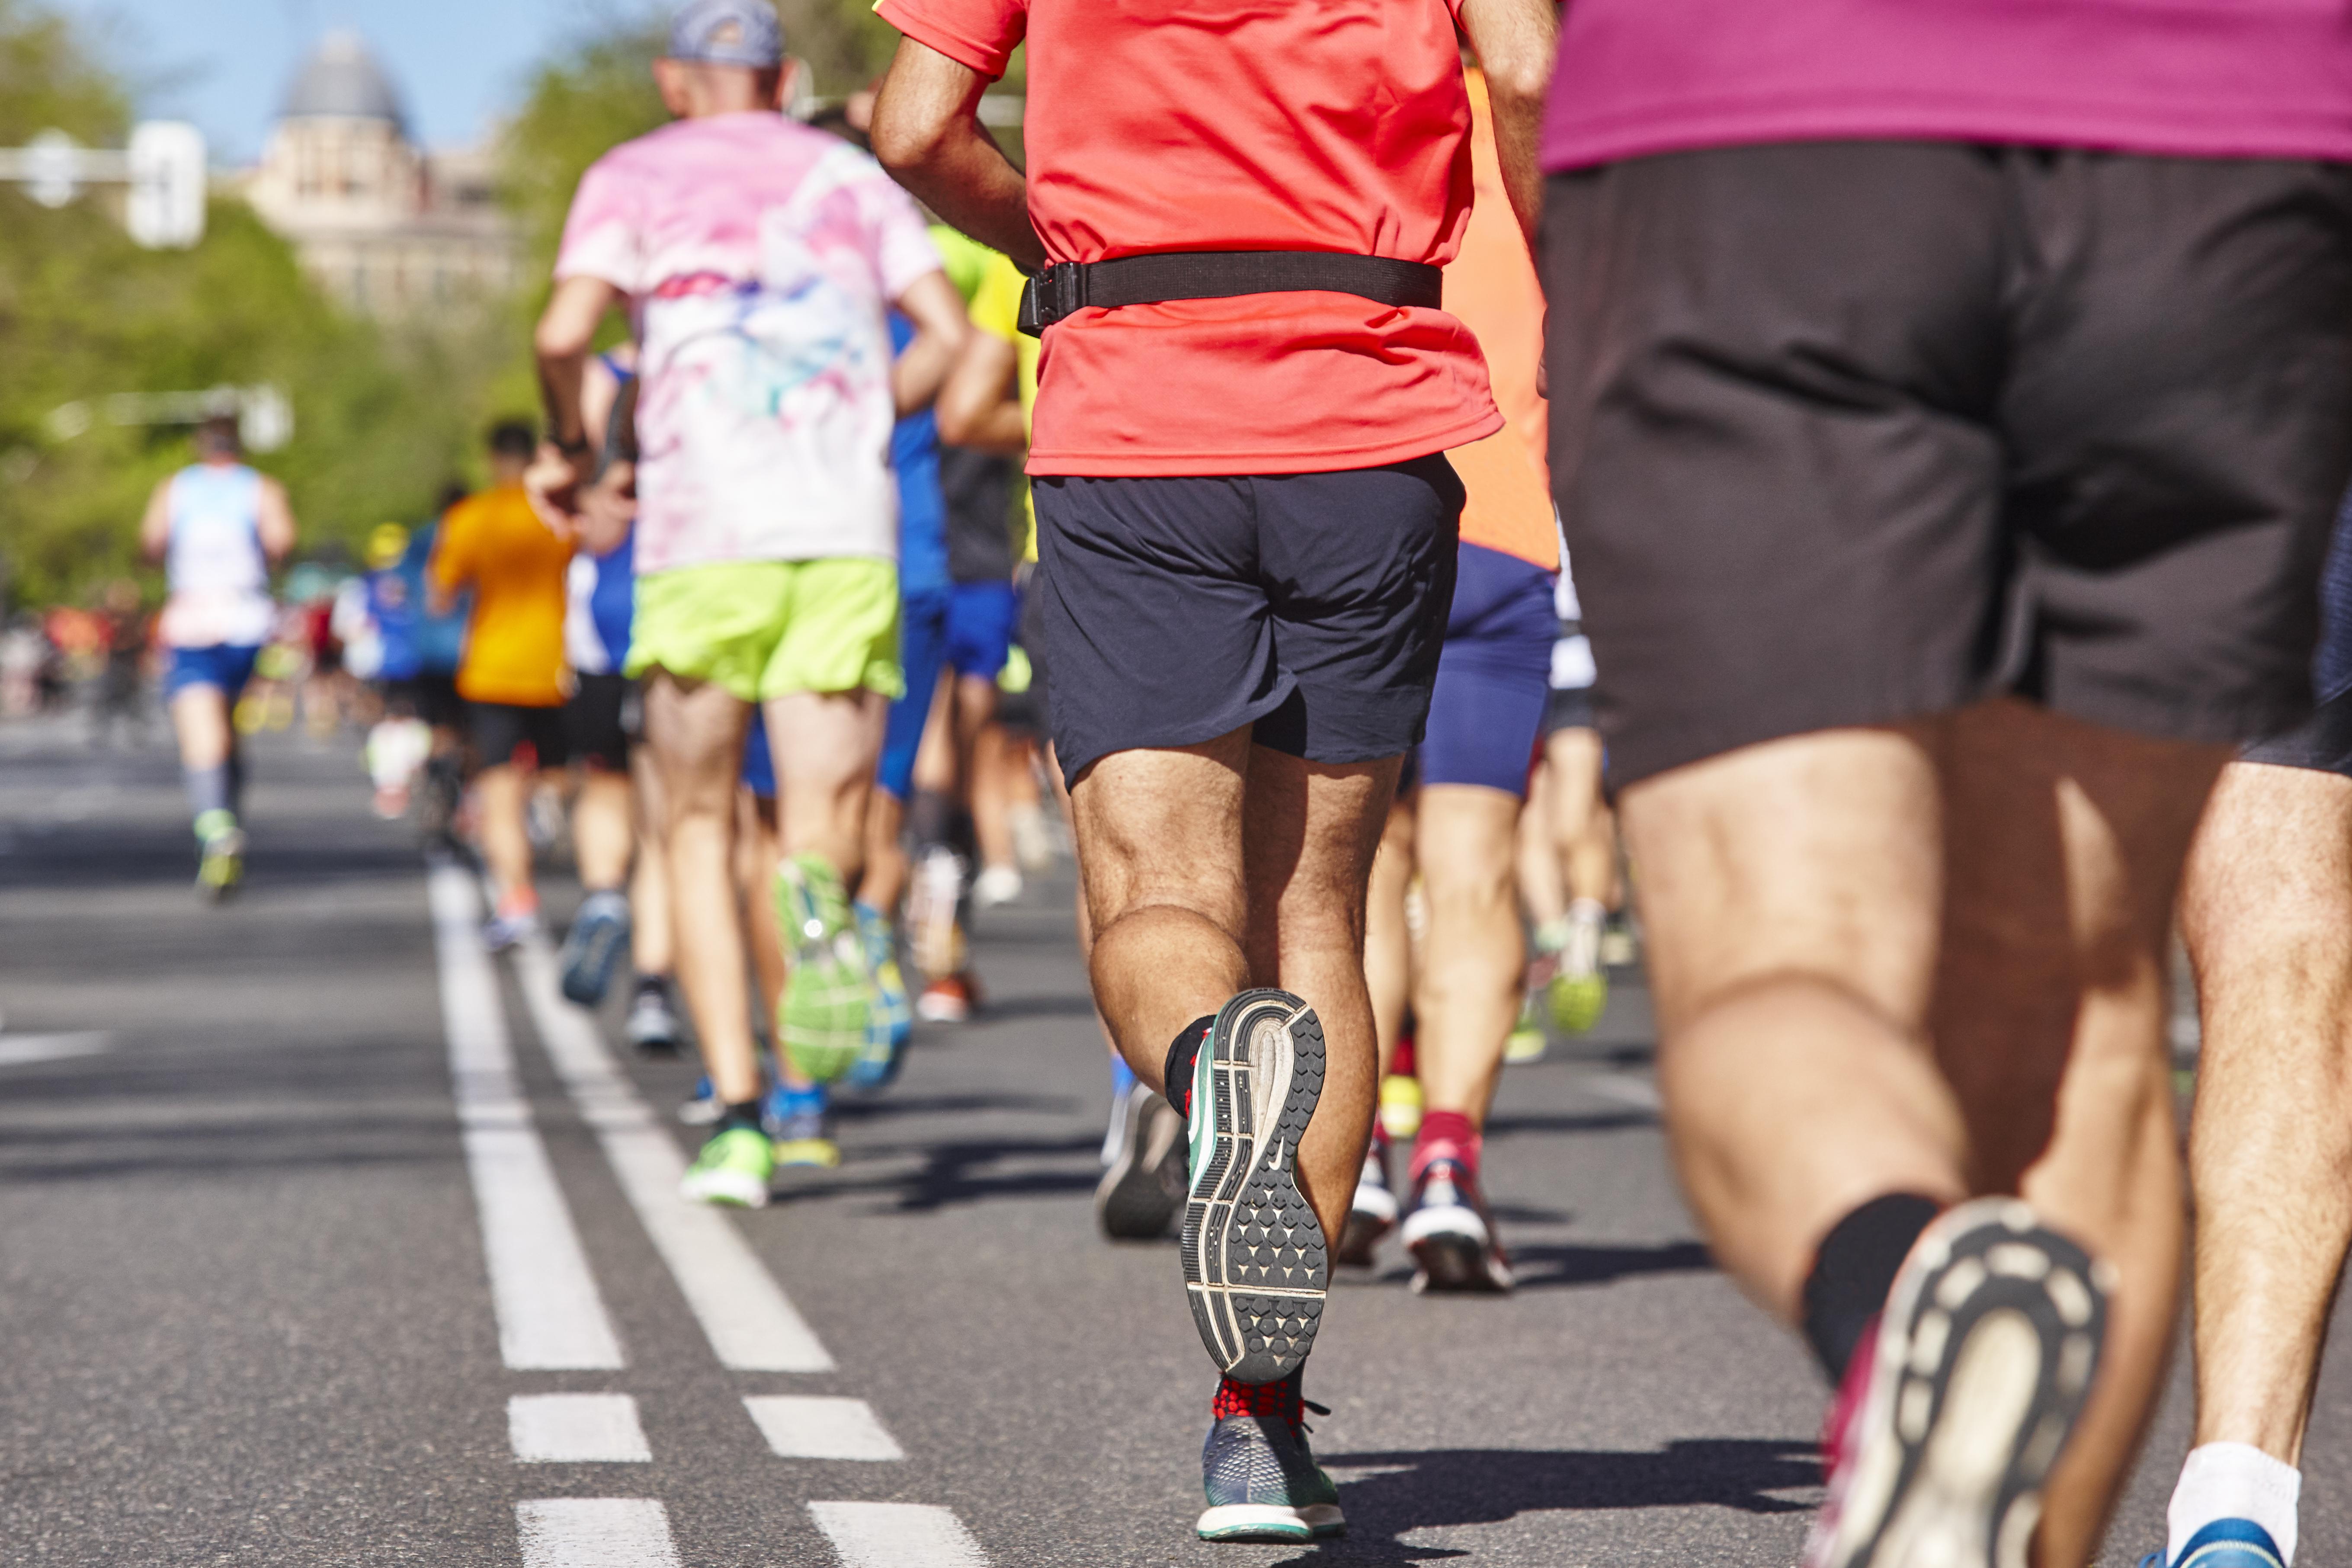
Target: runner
217,527
1484,718
1948,437
440,638
2266,907
1248,526
513,671
757,255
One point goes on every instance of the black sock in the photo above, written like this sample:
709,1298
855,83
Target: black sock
1178,1073
744,1115
1855,1269
653,985
928,815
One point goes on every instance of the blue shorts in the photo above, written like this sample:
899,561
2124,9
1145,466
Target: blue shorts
981,620
924,629
759,762
225,666
1493,674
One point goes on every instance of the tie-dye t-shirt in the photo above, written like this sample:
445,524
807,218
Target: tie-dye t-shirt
758,256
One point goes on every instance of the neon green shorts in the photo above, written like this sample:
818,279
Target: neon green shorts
765,628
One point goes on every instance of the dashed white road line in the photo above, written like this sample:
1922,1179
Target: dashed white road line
595,1533
576,1429
896,1535
16,1050
1624,1088
551,1315
809,1427
752,1325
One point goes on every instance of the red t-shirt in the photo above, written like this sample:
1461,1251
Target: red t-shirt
1225,125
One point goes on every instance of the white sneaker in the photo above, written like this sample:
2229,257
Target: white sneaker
997,885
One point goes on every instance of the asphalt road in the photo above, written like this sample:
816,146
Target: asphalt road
259,1166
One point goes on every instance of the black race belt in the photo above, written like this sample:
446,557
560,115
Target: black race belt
1066,286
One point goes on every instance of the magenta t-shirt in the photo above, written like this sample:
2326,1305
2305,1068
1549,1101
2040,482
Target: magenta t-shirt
2194,77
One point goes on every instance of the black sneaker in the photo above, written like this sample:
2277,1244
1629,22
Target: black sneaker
1255,1263
1371,1212
1450,1231
1144,1187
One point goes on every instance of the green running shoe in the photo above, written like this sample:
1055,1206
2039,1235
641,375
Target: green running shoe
892,1023
220,857
1525,1042
733,1169
828,1002
1262,1481
1578,1000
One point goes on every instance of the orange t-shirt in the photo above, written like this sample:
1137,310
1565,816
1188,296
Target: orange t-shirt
514,644
1492,289
1215,125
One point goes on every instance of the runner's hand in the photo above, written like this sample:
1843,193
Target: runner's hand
552,483
607,507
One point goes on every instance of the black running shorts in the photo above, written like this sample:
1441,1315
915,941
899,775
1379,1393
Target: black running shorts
1309,608
1845,433
598,721
504,733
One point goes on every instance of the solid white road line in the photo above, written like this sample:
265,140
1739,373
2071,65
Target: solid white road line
15,1050
550,1317
896,1535
576,1429
799,1426
595,1533
752,1325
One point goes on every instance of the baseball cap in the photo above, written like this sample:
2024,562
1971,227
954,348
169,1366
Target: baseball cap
728,33
387,542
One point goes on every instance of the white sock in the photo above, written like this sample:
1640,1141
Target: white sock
2233,1481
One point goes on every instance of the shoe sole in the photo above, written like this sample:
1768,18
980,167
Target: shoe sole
731,1189
1269,1522
1256,1265
1455,1253
1140,1193
1360,1237
588,962
1985,1354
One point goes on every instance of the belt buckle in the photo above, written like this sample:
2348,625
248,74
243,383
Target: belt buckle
1054,291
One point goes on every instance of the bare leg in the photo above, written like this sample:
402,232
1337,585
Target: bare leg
200,722
884,884
695,731
602,828
826,746
2267,910
1581,825
652,950
504,792
1542,867
1468,996
1388,946
755,862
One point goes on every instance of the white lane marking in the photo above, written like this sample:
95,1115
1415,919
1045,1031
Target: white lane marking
1624,1088
595,1533
805,1427
576,1429
15,1050
752,1325
896,1535
550,1317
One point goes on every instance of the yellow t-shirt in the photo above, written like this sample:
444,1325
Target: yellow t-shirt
514,644
997,308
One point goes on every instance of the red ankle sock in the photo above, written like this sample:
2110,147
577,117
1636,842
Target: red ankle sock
1280,1399
1446,1135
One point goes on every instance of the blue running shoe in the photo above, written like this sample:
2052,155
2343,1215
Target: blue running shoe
598,935
891,1023
1261,1479
797,1121
2224,1543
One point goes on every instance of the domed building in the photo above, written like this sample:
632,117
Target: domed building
385,226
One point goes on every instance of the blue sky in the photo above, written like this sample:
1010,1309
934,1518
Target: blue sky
224,64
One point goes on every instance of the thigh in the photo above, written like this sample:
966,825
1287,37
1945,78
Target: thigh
1360,569
1773,377
695,731
1163,826
2179,415
824,741
840,633
1150,615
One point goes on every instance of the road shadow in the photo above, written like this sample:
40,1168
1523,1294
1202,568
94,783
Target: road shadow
957,1172
849,1108
1427,1489
1504,1124
1549,1265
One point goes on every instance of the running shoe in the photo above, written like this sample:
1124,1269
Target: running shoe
1262,1481
1372,1211
1962,1397
1578,1000
949,999
593,945
995,886
220,863
500,932
1144,1187
892,1023
1450,1231
703,1108
733,1169
797,1123
827,1003
1122,1084
653,1027
1526,1042
2224,1543
1255,1263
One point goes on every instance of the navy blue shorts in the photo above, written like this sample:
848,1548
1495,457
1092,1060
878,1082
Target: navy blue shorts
759,773
225,666
925,623
1493,674
1305,607
981,618
2324,740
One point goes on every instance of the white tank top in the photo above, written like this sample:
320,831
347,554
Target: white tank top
215,566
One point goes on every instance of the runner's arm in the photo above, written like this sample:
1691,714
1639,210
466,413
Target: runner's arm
927,133
932,303
567,331
1515,41
155,524
978,407
277,522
